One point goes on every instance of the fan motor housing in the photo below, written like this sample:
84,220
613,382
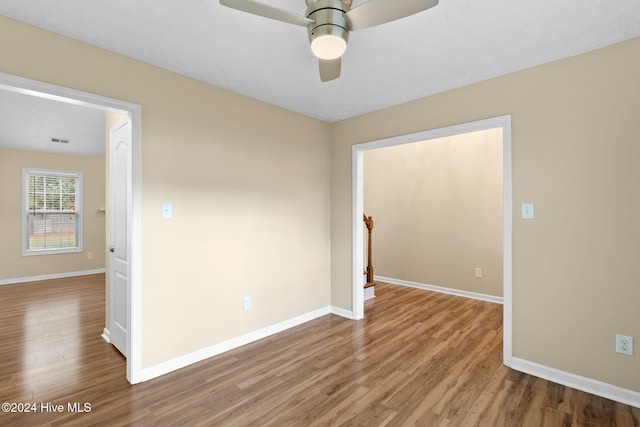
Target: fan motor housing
329,19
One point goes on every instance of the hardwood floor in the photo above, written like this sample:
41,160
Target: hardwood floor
419,358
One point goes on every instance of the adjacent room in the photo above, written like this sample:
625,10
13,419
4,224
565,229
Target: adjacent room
437,208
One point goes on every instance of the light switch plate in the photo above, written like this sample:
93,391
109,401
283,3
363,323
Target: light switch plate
527,211
167,211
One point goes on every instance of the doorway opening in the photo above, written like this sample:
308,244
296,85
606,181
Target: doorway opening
503,123
134,113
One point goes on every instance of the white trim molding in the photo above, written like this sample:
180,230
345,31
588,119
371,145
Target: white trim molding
341,312
589,385
205,353
50,276
106,335
369,292
443,290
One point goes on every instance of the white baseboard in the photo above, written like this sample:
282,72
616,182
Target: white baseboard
106,335
205,353
50,276
458,292
599,388
369,292
341,312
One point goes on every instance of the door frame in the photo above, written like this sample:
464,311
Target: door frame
357,181
134,112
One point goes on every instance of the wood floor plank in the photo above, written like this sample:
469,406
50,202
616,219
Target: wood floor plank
418,358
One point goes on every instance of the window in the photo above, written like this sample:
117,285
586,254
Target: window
52,212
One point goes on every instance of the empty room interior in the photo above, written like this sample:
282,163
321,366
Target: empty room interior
183,190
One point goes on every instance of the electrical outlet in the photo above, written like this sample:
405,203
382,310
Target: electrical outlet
478,272
89,255
624,344
247,303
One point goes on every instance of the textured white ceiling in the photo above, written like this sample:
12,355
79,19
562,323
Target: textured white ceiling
28,123
457,43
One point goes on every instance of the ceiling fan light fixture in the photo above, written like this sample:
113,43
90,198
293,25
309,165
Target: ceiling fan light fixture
328,41
328,46
329,22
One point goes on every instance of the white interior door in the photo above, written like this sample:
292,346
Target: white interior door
119,249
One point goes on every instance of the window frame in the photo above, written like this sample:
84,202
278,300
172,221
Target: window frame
26,173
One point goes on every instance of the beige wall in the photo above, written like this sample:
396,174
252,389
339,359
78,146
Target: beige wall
249,184
437,207
575,156
12,264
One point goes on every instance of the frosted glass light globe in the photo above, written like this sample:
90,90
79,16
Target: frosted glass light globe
328,46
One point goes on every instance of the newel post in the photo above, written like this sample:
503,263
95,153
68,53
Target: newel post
368,220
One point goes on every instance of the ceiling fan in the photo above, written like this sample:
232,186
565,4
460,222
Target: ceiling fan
330,21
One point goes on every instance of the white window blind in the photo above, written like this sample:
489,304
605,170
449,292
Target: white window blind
52,220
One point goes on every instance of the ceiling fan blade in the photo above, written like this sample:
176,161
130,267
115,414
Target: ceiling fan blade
376,12
267,11
330,69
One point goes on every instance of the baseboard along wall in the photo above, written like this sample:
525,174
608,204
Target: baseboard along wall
106,335
205,353
50,276
451,291
589,385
